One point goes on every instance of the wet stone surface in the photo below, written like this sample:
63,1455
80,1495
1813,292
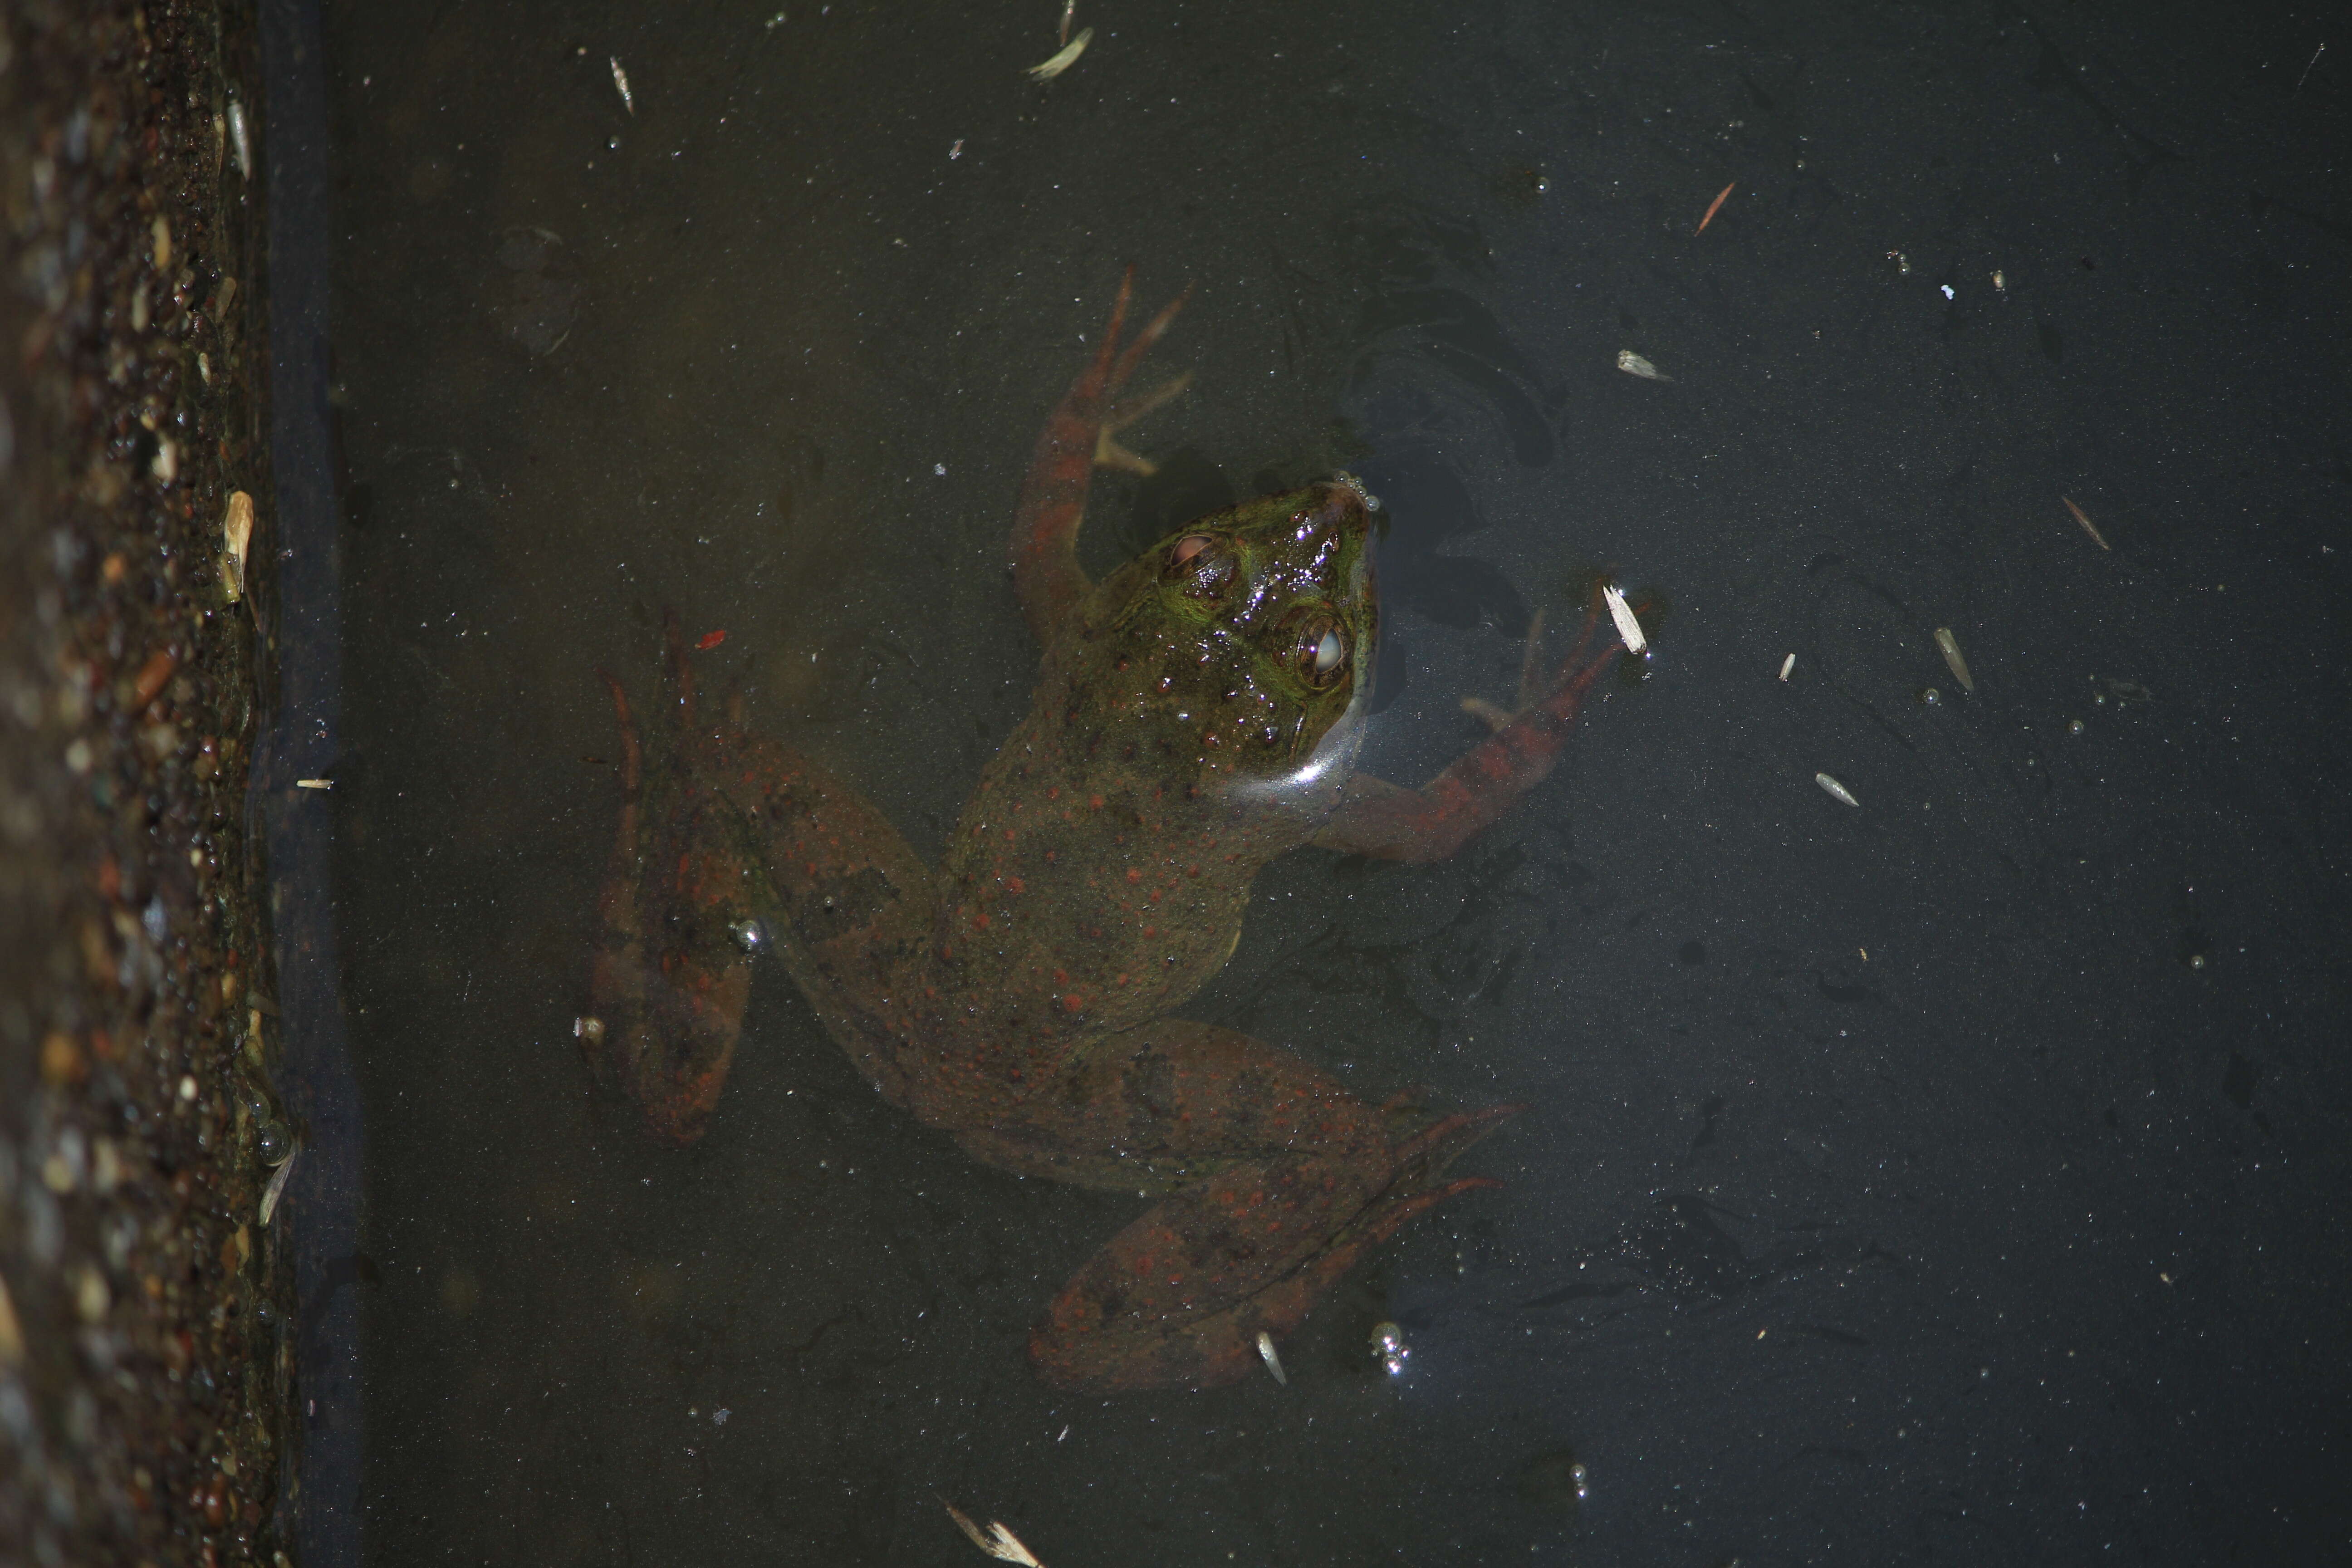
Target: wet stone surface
145,1357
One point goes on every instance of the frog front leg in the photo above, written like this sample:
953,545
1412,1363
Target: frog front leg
1275,1181
1045,571
1389,821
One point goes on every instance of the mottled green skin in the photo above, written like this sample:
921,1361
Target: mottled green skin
1098,876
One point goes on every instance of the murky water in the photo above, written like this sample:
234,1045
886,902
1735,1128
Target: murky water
1942,1176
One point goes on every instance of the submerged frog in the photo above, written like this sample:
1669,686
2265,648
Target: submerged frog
1197,714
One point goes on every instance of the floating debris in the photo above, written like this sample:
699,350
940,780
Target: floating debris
621,80
1628,627
2123,692
237,539
996,1540
1632,364
1388,1348
1049,69
277,1187
2000,283
2298,93
1069,13
1902,262
2088,526
709,640
1948,292
588,1027
1951,651
314,784
1713,207
1272,1358
956,150
1838,792
12,1333
238,141
1787,665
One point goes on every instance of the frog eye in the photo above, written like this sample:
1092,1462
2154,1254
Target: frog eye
1203,564
1318,649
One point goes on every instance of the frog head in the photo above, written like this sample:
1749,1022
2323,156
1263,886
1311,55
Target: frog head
1239,649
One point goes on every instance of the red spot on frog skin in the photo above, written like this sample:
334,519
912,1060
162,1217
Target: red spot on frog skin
709,640
980,920
1095,801
1133,875
1013,885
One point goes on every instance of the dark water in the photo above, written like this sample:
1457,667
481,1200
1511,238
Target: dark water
1959,1177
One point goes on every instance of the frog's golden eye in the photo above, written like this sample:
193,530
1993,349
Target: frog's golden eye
1318,649
1203,564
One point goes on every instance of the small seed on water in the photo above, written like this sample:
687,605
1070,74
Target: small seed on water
1837,791
1047,70
1628,627
1945,641
277,1188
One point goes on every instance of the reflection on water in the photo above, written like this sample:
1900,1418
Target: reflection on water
1854,1137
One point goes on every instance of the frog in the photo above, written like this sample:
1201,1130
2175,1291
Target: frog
1198,713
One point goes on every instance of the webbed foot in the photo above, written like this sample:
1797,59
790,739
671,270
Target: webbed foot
1277,1181
671,973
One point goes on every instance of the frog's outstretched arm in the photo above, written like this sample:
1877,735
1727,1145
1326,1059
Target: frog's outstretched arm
1392,823
1045,570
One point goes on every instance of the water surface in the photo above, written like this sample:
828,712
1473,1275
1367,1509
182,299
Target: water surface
1951,1177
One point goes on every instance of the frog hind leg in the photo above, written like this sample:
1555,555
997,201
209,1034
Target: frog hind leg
844,901
729,845
1277,1181
1044,550
668,980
